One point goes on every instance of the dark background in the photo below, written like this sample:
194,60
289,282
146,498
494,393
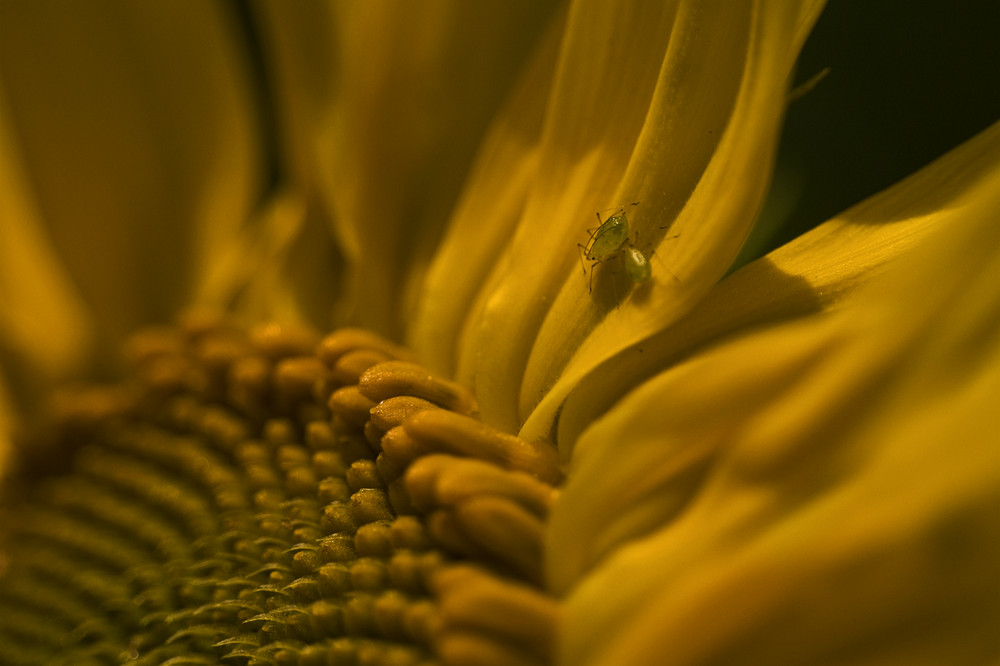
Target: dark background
908,81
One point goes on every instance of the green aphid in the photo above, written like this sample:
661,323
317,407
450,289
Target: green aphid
636,264
610,239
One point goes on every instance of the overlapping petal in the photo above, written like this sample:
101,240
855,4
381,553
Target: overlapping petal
629,117
825,490
383,117
472,253
43,317
707,228
129,161
800,494
817,271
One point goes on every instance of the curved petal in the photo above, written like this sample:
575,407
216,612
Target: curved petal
644,99
42,319
470,256
404,96
138,144
815,272
44,330
8,423
274,267
823,491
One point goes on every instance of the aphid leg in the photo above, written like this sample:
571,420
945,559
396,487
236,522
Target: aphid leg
653,254
676,279
590,282
583,253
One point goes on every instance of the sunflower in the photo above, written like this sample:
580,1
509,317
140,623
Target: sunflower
523,444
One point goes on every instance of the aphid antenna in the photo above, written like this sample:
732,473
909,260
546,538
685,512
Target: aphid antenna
619,207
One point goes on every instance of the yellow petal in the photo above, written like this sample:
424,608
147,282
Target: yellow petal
137,138
43,321
412,88
645,99
8,423
952,191
470,257
273,264
815,272
825,491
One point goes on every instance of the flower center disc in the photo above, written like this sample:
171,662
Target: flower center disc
261,499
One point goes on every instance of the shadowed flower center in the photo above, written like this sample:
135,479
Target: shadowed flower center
259,499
